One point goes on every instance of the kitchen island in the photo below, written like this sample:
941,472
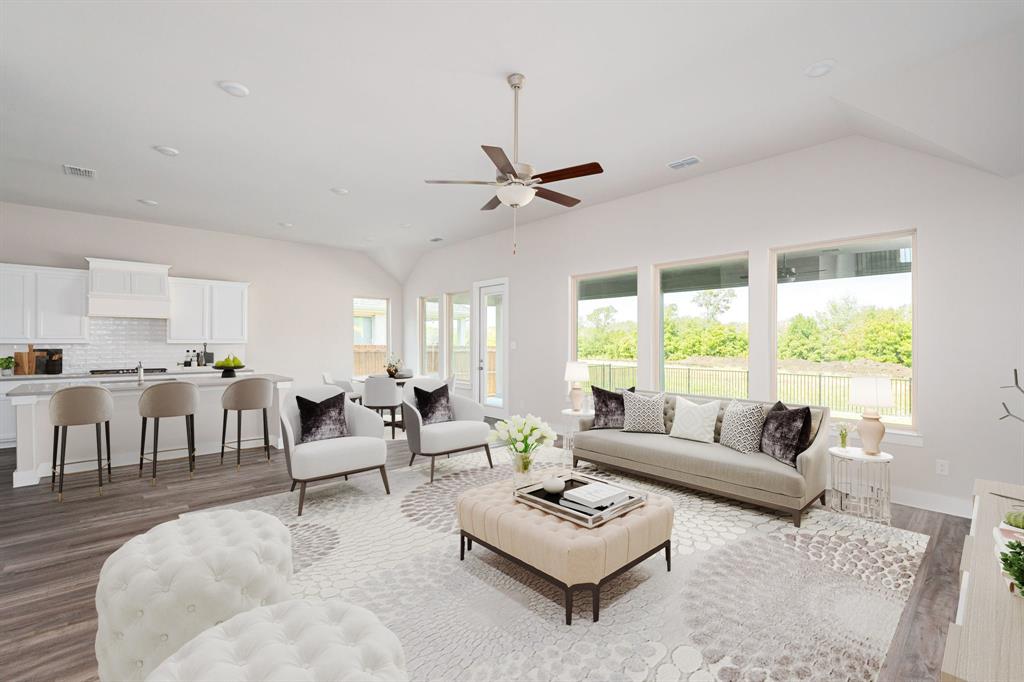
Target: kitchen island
35,432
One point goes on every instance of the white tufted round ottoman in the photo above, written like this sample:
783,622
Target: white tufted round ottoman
298,641
164,587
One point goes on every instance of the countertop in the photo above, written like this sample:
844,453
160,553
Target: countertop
37,388
72,376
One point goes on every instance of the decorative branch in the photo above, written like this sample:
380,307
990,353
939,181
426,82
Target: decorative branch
1016,384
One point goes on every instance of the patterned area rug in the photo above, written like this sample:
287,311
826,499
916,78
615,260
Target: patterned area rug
749,597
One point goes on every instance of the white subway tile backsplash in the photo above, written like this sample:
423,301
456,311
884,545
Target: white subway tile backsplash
116,342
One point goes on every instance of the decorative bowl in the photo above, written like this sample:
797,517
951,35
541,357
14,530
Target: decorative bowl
228,372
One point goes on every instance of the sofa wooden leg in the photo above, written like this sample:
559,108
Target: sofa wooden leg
596,601
487,449
302,496
797,515
575,462
568,606
384,477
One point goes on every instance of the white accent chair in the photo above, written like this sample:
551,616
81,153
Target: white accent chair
319,460
383,393
350,391
469,431
297,640
162,588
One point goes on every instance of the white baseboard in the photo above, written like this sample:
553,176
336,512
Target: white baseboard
945,504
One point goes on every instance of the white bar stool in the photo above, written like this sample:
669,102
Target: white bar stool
254,393
161,401
350,392
79,406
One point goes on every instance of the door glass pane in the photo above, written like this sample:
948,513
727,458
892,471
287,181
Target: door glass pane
458,346
431,316
494,391
369,335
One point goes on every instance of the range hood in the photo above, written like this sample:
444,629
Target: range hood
119,288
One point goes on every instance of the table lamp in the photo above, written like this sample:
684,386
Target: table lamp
576,373
871,393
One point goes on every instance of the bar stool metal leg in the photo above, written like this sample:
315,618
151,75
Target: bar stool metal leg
110,471
238,442
266,434
53,467
63,447
99,455
156,438
188,445
223,436
142,447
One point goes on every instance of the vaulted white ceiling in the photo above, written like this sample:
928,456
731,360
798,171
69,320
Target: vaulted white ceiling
377,97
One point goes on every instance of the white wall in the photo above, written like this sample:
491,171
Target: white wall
969,266
300,296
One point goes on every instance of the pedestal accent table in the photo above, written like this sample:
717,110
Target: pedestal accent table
861,483
574,426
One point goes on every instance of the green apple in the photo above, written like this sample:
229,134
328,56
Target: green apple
236,362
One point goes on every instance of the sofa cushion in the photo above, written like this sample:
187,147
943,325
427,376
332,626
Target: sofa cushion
742,426
709,460
434,406
695,421
322,420
784,429
448,436
609,409
644,414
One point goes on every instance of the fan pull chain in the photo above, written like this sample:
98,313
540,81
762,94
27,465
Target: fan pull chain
515,227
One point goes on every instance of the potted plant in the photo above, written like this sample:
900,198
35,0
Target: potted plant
1013,564
522,435
7,366
394,364
843,429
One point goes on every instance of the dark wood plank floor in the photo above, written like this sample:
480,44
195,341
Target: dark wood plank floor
50,557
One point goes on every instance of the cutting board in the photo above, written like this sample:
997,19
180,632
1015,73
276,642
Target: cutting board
25,362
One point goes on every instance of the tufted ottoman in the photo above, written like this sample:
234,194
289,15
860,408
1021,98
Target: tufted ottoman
298,641
164,587
568,555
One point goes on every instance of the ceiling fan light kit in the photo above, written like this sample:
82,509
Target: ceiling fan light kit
516,183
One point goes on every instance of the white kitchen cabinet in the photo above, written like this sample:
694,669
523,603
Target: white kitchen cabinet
120,288
62,305
8,415
207,311
17,304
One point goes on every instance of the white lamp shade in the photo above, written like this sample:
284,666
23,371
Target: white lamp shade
871,392
577,372
515,194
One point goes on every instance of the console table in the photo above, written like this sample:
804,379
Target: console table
984,643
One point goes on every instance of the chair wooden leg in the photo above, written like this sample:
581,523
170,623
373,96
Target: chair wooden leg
142,447
53,467
294,483
110,471
156,447
238,442
432,460
223,435
384,477
668,556
487,449
99,454
412,458
346,477
63,448
266,434
302,496
392,423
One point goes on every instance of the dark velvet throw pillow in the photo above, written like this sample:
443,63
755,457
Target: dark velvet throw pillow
786,432
434,406
609,408
322,420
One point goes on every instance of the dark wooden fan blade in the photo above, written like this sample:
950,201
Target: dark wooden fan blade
462,182
557,197
494,203
592,168
499,159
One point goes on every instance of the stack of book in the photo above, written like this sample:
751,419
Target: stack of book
593,497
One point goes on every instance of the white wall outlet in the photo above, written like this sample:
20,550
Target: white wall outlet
942,467
513,345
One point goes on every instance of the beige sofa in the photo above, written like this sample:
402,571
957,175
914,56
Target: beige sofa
712,467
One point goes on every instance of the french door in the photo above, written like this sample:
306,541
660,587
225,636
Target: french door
491,346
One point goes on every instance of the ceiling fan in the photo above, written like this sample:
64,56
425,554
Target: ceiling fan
788,274
516,183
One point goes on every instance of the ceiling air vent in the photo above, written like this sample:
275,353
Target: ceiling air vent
79,171
684,163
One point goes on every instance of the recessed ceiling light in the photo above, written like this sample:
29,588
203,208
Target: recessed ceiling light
340,191
436,239
286,226
148,202
369,239
166,151
406,226
233,88
819,69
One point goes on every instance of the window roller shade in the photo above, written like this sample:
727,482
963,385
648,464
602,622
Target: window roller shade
611,286
725,275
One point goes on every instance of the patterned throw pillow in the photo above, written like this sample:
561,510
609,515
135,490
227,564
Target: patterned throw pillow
695,421
609,411
784,432
644,414
322,420
434,406
742,425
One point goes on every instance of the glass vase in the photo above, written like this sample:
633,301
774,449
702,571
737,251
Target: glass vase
522,466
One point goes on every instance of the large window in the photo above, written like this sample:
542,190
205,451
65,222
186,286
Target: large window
704,337
459,336
369,335
430,335
606,327
844,311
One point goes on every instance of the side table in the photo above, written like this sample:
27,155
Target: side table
861,483
574,426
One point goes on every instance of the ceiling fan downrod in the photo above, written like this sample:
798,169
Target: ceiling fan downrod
516,82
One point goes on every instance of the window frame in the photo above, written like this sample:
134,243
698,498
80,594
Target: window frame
658,312
773,268
387,323
574,281
448,336
422,333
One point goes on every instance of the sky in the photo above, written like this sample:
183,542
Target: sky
883,291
